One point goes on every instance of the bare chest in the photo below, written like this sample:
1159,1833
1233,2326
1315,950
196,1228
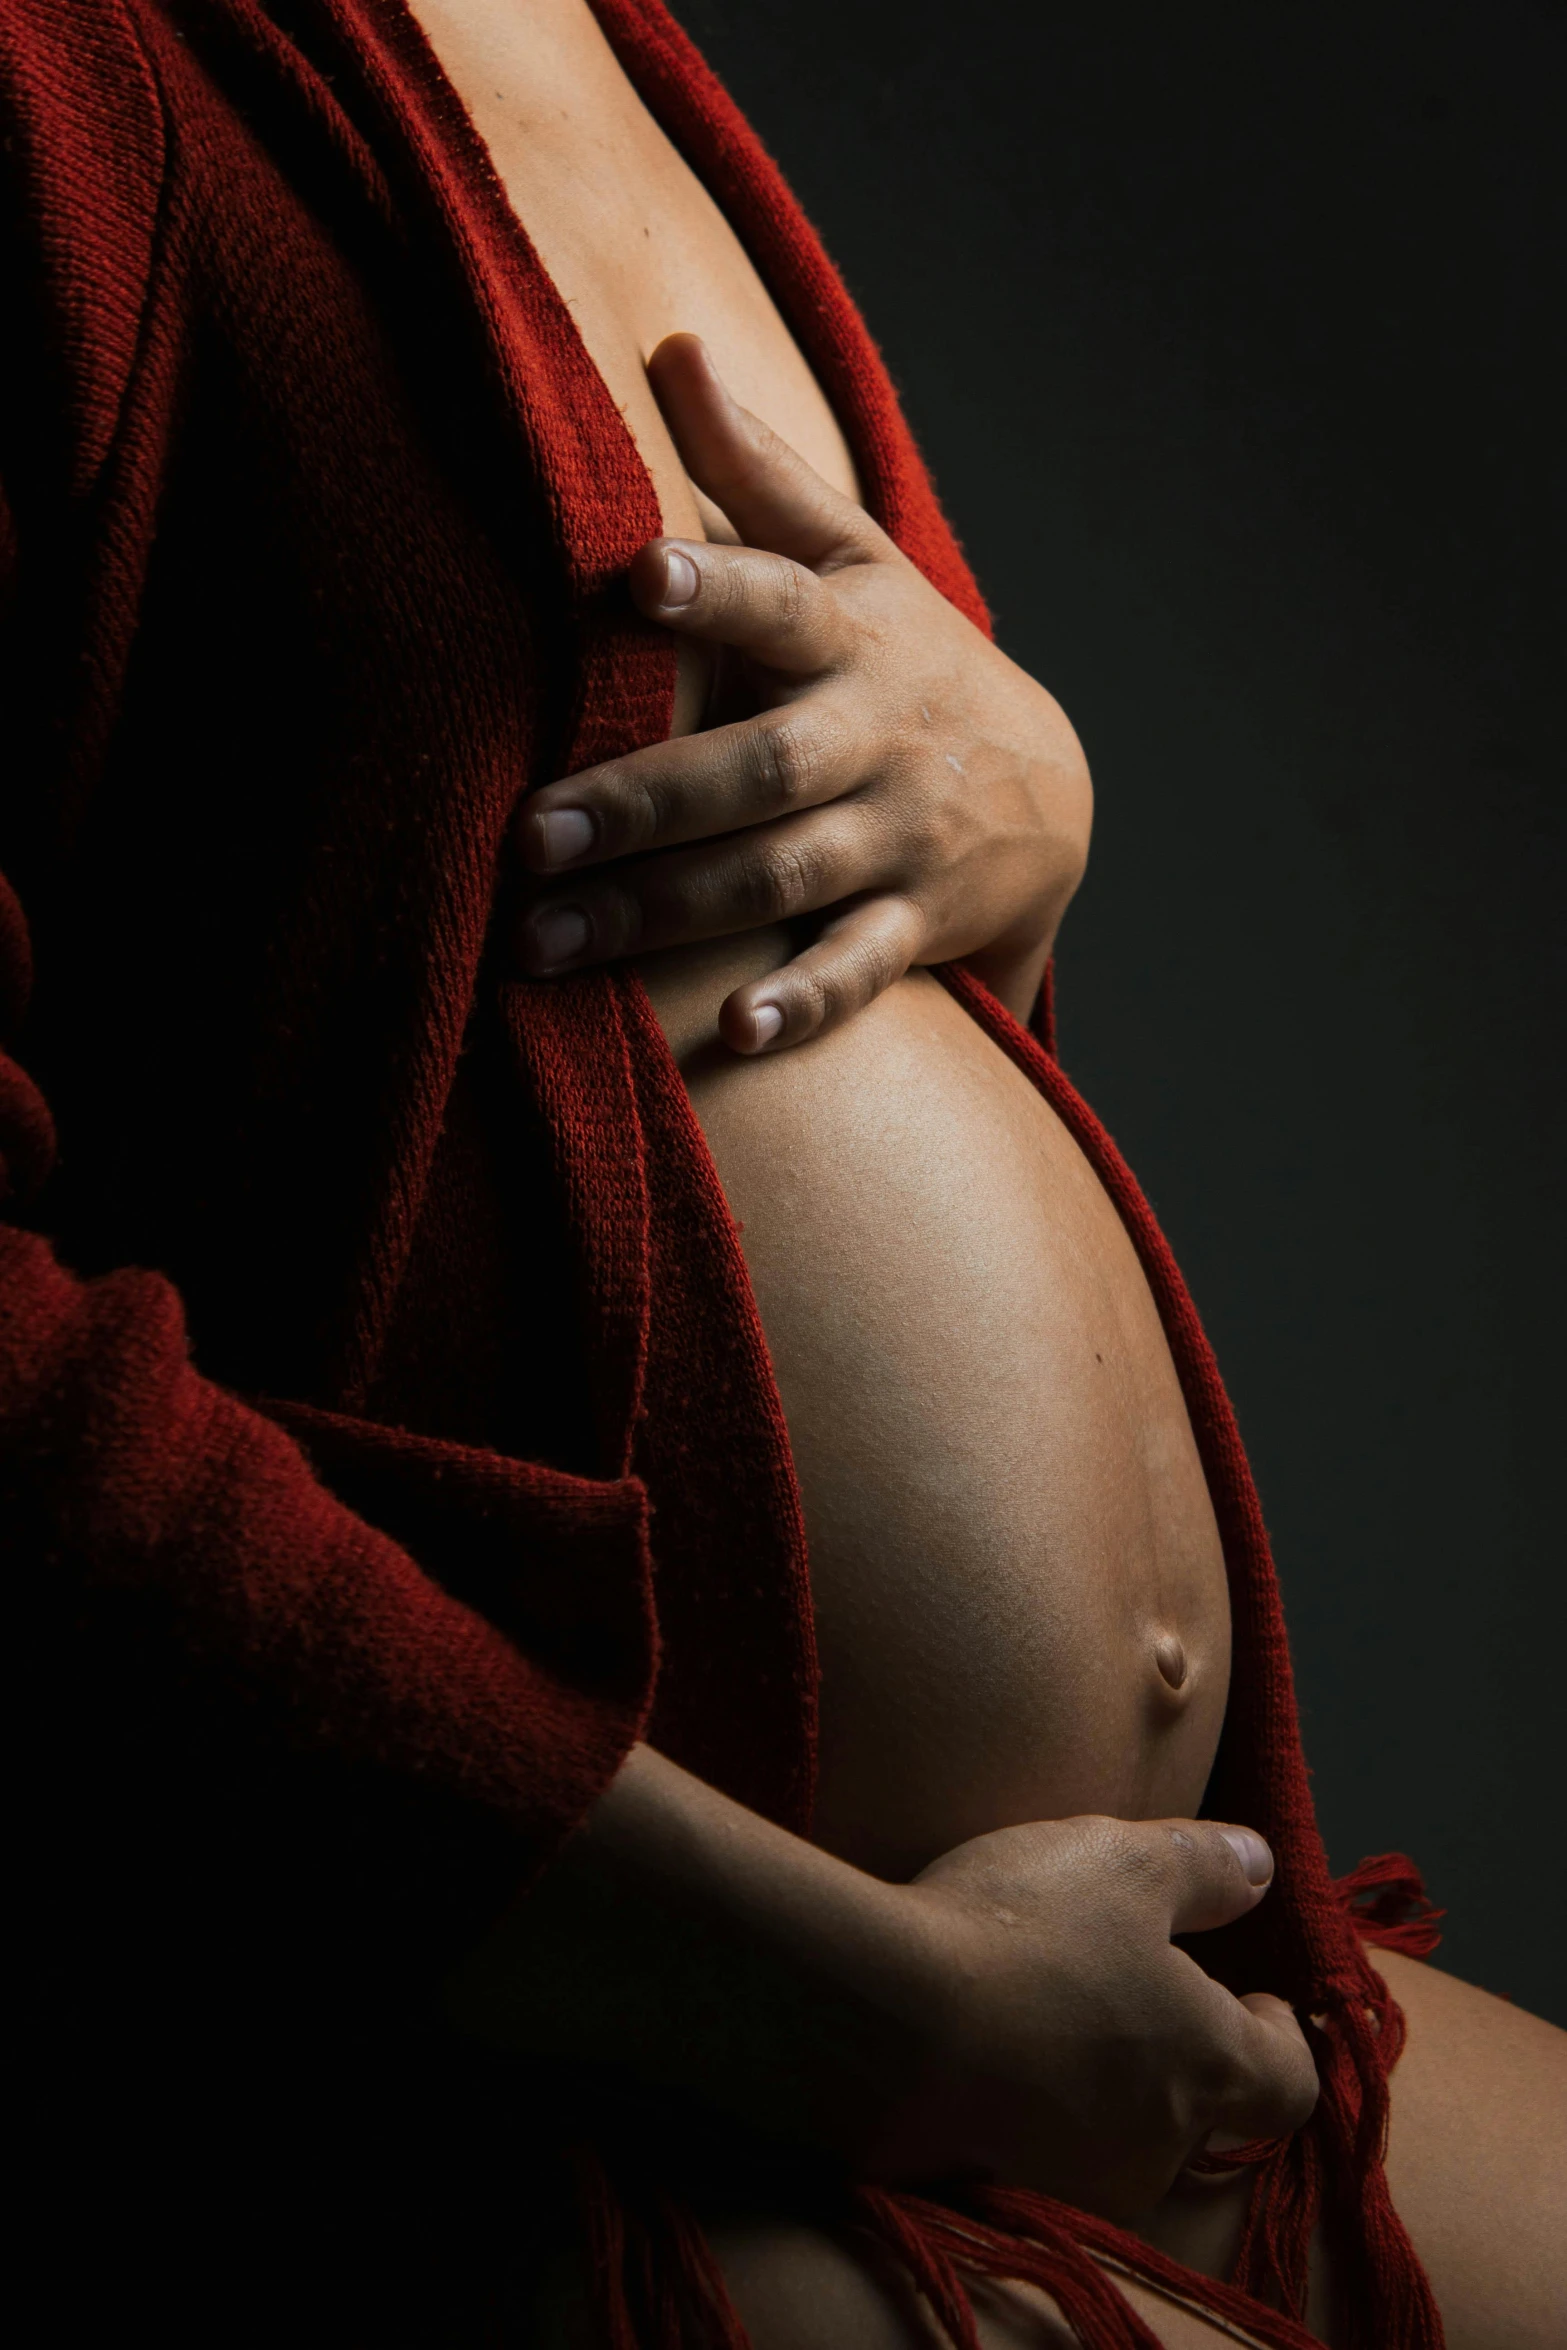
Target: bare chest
636,247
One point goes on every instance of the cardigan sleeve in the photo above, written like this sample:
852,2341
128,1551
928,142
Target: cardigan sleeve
137,1486
409,1663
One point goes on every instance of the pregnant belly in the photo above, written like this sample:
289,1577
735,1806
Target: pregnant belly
1019,1592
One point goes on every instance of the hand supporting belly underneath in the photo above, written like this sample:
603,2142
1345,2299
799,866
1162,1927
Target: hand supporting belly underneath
1019,1590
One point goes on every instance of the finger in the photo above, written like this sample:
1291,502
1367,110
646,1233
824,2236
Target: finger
746,882
762,604
856,959
772,497
695,787
1273,2084
1211,1872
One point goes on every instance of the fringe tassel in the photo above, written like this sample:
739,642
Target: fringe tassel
703,2281
654,2282
890,2219
1382,2296
658,2286
1273,2259
1389,1907
604,2225
1011,2238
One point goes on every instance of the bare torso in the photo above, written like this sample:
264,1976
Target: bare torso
1007,1518
1020,1596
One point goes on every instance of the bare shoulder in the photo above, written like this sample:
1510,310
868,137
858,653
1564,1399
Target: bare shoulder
1477,2158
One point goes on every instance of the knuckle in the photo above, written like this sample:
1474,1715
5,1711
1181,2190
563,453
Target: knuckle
777,880
1271,2083
643,809
1178,2114
886,950
1298,2099
815,1001
682,892
876,966
790,757
792,597
862,967
1217,2074
909,933
846,987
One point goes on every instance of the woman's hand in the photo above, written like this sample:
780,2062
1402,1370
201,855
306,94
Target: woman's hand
1078,2050
1018,2012
899,777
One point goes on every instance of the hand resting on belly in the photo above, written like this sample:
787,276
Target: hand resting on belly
1020,2013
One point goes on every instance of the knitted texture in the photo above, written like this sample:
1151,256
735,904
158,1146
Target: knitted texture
314,515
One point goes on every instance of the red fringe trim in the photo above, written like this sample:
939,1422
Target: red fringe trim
1389,1907
658,2286
655,2283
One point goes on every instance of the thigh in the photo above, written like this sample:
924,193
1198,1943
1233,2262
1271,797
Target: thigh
803,2288
1477,2164
800,2288
1477,2159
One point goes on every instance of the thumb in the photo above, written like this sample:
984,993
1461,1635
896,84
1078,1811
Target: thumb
1212,1872
773,498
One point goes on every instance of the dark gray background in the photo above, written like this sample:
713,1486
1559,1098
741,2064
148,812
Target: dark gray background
1228,331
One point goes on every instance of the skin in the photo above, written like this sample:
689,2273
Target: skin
905,2030
838,782
852,753
900,775
966,2022
1490,2222
1005,1509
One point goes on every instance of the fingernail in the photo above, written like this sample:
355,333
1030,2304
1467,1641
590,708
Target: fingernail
566,833
559,932
681,577
1251,1852
766,1023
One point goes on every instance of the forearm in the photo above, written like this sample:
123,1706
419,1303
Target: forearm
1017,2012
705,1950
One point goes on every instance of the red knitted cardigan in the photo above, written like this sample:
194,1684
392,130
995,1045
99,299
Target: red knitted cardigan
315,515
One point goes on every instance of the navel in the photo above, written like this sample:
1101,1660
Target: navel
1170,1657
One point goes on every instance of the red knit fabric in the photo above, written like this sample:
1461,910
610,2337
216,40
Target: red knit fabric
313,521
